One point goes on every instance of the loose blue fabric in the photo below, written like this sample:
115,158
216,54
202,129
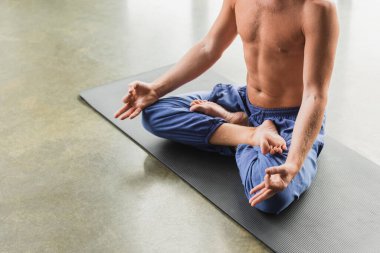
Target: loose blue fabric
171,118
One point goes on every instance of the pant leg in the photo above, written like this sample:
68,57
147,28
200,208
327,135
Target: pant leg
170,118
252,164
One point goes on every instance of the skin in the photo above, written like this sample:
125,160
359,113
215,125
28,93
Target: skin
289,49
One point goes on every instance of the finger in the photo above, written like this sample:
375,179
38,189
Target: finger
257,195
131,92
265,148
127,113
121,110
257,188
127,97
196,108
133,86
195,102
135,113
265,195
272,150
267,180
284,147
276,170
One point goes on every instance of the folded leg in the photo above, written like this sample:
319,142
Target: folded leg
252,164
171,118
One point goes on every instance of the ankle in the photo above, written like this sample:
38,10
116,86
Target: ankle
242,119
251,136
228,116
238,118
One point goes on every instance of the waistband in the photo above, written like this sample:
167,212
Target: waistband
274,112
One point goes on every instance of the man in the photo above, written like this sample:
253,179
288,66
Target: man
275,125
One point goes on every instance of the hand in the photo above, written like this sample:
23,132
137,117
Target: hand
276,179
140,95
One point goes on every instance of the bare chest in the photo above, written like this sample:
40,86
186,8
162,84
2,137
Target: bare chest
270,25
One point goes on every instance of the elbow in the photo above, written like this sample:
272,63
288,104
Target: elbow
316,98
316,92
209,49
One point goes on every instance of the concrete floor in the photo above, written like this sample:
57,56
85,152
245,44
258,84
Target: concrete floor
70,182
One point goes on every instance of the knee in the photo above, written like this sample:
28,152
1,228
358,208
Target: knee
163,116
149,119
277,203
255,174
274,205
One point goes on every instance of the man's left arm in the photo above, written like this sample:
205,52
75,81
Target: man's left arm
321,35
321,31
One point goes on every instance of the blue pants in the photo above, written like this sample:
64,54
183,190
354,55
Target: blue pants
170,118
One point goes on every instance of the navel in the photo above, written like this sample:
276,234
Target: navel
282,50
258,89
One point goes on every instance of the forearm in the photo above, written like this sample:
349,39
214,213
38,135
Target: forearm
306,129
196,61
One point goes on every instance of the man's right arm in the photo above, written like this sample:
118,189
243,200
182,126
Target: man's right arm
196,61
203,54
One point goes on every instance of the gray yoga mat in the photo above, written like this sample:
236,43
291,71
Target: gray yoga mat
339,213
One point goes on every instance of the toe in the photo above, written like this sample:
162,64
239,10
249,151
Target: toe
272,150
194,108
280,141
199,108
265,148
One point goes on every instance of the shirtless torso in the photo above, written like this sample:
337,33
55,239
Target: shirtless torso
273,40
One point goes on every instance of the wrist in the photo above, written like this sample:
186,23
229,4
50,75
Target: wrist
293,168
156,90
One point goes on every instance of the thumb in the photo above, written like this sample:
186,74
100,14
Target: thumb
194,107
133,85
131,92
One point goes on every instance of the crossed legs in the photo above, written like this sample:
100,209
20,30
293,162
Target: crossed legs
236,130
193,120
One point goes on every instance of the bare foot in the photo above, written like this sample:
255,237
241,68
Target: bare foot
267,137
215,110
